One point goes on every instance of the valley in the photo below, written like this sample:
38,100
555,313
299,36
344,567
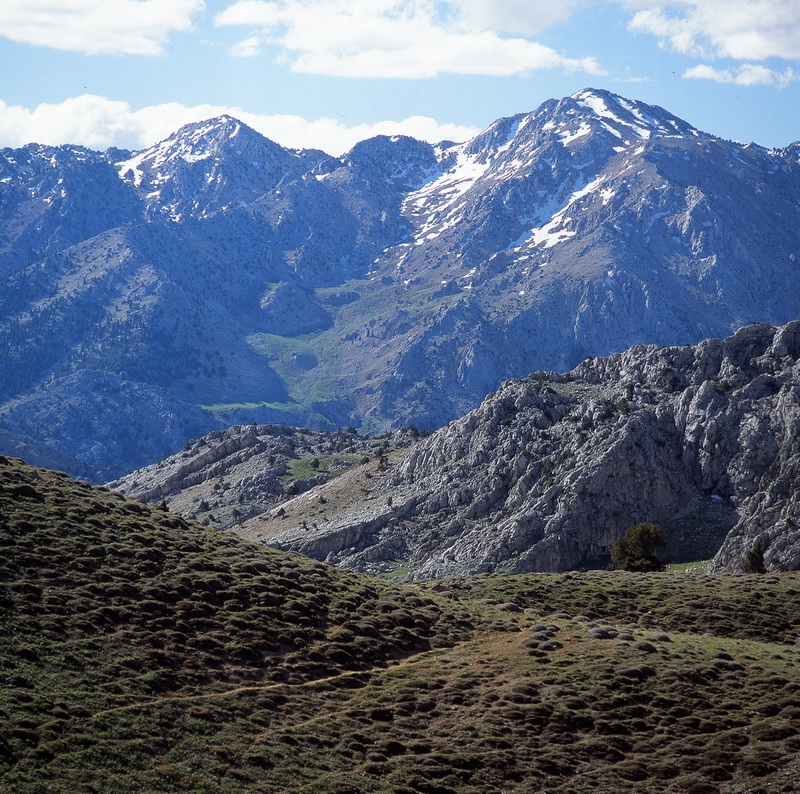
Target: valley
544,476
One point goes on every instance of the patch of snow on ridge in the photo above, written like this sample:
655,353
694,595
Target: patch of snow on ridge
566,136
645,118
461,177
594,103
593,185
512,133
192,157
548,236
613,130
132,167
444,190
553,232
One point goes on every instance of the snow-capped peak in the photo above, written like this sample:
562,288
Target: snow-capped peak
201,140
640,119
205,146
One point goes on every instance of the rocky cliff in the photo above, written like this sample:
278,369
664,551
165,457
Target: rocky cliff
551,469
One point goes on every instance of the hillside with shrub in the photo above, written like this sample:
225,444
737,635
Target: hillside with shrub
140,652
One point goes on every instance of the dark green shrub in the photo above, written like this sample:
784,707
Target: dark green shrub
754,559
635,550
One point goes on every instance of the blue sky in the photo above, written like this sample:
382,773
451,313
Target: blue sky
327,73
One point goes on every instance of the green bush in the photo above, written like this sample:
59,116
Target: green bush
754,559
636,549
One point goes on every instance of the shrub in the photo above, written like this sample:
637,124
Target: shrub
754,559
635,550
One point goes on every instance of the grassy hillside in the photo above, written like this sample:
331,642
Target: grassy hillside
141,653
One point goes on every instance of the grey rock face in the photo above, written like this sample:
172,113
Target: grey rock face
551,469
231,476
54,197
398,283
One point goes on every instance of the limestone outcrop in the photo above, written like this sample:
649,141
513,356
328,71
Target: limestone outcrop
552,468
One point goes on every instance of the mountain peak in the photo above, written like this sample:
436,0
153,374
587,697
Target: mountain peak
639,118
209,147
217,131
588,114
587,94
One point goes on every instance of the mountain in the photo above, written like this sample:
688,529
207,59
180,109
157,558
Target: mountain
141,652
209,167
551,469
224,279
37,454
544,476
229,476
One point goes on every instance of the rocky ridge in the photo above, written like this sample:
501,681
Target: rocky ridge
551,469
229,476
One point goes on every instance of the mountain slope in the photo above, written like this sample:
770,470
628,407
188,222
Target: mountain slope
399,283
551,469
563,234
230,476
143,653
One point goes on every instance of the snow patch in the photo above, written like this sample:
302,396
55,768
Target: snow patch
594,103
566,136
553,232
132,167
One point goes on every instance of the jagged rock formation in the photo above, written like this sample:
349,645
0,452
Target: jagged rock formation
236,280
551,469
229,476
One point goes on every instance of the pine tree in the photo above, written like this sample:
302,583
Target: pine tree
754,559
636,549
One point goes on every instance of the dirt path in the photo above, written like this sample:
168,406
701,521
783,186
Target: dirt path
238,690
268,687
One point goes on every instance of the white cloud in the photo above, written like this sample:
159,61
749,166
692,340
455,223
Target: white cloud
130,27
97,123
745,30
522,17
747,74
246,48
399,38
86,120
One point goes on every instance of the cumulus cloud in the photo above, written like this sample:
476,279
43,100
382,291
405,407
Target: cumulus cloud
98,123
745,30
522,17
399,38
747,74
130,27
